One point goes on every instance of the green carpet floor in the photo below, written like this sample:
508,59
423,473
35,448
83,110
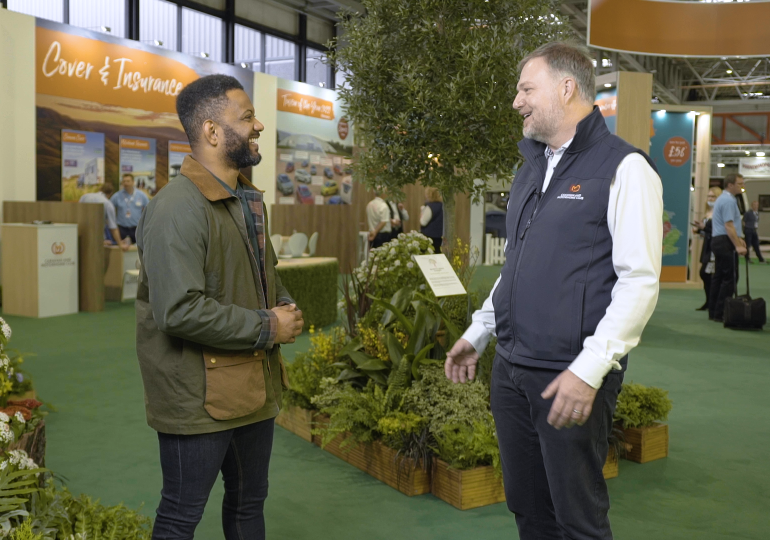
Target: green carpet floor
714,485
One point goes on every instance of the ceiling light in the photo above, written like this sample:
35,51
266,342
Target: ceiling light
321,84
661,113
720,165
607,85
729,71
748,153
760,154
692,188
244,65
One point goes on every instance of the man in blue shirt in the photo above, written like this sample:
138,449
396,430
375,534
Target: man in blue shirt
129,203
111,234
726,243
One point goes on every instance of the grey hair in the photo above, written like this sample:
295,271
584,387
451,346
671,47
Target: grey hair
568,59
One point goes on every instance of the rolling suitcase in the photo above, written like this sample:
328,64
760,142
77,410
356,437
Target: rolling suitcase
743,311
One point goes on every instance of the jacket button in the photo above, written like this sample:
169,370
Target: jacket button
213,360
256,353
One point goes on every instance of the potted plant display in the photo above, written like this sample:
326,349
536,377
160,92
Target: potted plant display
640,414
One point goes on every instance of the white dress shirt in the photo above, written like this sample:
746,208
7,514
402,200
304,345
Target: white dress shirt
634,219
376,211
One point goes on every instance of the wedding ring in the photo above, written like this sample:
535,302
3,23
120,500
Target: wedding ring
577,412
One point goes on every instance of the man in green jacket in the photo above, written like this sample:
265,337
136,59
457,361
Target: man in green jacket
211,313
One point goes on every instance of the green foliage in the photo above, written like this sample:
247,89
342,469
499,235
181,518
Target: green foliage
443,402
24,532
442,116
309,368
351,410
468,446
641,406
314,288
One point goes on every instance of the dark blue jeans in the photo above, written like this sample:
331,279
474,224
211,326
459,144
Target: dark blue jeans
553,478
190,465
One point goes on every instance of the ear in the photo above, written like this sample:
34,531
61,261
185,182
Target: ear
568,89
211,132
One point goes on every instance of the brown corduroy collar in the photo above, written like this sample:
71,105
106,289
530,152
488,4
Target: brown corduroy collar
207,182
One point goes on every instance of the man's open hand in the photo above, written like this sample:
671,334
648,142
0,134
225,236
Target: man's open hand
290,323
461,361
572,394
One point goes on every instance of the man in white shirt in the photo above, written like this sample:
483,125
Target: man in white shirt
579,284
111,232
378,217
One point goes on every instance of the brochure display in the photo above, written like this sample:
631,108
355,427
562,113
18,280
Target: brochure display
40,269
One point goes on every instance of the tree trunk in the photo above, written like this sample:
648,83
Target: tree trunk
449,221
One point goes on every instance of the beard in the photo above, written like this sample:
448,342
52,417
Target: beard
545,125
238,152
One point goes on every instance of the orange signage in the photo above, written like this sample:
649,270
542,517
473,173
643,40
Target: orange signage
136,144
68,136
179,147
608,106
343,128
293,102
680,28
676,151
81,68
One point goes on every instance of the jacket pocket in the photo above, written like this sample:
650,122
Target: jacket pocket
576,342
235,383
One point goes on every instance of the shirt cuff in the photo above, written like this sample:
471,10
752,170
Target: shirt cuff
478,336
269,330
591,368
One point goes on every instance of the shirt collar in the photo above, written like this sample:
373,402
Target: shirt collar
550,153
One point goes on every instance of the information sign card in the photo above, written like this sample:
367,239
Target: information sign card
440,275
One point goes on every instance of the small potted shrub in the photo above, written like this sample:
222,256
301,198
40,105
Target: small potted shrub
639,414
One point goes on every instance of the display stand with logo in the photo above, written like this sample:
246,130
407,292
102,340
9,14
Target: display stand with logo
40,269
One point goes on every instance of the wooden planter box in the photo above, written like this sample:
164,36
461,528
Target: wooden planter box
379,461
647,443
33,443
297,420
466,489
611,468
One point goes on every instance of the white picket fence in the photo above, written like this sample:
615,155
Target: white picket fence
495,251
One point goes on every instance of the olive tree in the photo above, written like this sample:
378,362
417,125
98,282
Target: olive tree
430,85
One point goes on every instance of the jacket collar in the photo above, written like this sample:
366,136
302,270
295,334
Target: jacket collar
207,182
590,130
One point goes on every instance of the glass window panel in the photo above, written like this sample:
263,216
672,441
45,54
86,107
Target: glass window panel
279,57
248,47
316,71
339,78
53,10
107,16
201,34
157,23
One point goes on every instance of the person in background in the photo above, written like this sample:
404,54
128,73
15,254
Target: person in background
129,203
750,226
211,314
706,255
378,218
398,215
111,232
726,243
432,217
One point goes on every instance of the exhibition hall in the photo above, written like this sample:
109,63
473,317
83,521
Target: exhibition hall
375,269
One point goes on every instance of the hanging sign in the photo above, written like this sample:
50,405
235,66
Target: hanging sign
294,102
754,167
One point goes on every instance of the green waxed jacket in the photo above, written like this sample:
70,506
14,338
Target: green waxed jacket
204,330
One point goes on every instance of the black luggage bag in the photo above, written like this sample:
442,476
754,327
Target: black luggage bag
743,311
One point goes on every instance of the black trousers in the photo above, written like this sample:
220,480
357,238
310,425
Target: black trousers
706,282
380,239
752,241
723,282
553,478
129,232
437,244
191,464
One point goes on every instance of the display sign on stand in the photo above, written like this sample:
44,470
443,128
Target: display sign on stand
439,274
82,163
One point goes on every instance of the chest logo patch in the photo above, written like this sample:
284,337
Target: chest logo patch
574,195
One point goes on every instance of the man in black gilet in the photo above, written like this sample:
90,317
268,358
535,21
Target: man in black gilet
579,283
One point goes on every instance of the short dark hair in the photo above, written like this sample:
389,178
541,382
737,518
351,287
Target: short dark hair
565,58
202,100
122,176
107,188
731,178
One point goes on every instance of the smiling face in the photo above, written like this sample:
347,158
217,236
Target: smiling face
241,130
537,100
